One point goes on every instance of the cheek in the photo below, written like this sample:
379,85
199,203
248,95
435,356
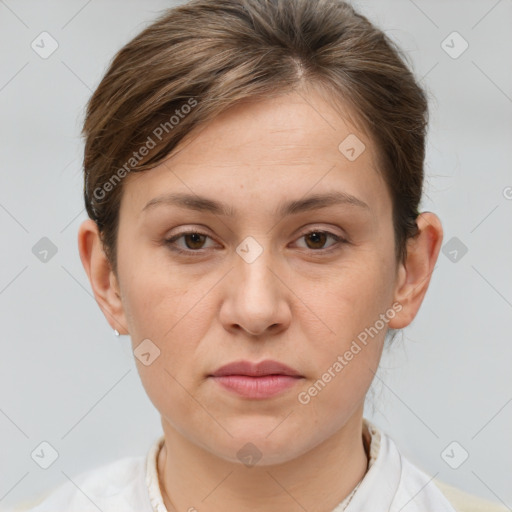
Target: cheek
175,315
175,319
351,299
354,309
344,362
156,296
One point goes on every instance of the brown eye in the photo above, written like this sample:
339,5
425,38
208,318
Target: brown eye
188,242
317,239
194,240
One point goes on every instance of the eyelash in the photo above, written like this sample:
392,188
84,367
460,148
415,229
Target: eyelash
338,241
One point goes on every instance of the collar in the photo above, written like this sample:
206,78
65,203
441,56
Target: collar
379,486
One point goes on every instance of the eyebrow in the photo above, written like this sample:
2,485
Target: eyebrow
204,204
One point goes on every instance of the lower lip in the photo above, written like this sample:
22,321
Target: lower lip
257,387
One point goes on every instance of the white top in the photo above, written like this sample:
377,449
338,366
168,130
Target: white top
391,484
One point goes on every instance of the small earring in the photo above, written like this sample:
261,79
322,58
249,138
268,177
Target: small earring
116,332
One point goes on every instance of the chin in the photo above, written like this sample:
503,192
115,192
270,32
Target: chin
261,445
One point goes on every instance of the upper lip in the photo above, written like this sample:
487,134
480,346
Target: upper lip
266,367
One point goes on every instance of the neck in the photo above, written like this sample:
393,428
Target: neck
316,481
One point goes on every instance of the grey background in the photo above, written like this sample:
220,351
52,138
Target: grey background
65,379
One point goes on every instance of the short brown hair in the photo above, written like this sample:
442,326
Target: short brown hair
201,57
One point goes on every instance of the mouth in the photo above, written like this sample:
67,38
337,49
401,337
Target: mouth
256,380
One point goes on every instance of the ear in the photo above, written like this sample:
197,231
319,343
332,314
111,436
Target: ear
101,276
414,275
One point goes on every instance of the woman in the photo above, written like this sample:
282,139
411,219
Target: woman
253,171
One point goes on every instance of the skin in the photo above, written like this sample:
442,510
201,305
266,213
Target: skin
302,302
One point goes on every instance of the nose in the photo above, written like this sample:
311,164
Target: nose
256,301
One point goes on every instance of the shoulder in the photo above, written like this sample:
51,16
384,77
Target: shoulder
426,490
112,486
466,502
403,486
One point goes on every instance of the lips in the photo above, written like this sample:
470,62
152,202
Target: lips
256,380
249,369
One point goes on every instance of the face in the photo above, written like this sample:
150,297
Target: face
249,268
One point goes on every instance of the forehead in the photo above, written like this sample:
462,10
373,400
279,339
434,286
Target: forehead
283,146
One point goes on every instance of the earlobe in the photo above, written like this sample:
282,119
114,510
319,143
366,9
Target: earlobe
99,271
414,274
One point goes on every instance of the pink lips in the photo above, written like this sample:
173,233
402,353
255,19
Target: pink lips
256,380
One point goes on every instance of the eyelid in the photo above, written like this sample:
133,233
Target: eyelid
338,239
321,229
169,241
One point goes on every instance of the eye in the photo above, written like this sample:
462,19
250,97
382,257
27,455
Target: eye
317,238
194,241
